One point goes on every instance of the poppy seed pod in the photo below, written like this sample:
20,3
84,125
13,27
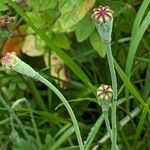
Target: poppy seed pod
102,14
103,18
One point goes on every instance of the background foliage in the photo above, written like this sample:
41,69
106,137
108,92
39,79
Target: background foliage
59,39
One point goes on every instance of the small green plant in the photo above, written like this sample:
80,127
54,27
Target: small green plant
60,91
103,17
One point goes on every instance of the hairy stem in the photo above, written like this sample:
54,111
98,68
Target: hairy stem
114,87
65,102
107,124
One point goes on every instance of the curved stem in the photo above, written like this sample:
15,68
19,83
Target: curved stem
114,87
65,102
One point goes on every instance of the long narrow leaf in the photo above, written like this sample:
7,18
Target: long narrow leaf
63,138
129,85
146,88
135,40
139,16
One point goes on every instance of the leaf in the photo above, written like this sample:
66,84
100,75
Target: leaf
128,17
37,19
98,44
41,6
71,14
84,28
3,7
22,144
61,40
65,6
117,6
4,35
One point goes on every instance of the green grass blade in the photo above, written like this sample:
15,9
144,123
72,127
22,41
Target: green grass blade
139,16
63,138
139,127
135,40
67,60
146,89
12,114
62,130
124,138
22,100
69,148
129,85
93,132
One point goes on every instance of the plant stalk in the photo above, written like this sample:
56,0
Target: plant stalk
65,102
107,124
114,100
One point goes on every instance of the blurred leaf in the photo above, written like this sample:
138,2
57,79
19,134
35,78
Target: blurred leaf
59,29
74,1
4,35
37,19
4,1
41,6
3,7
71,14
128,14
77,13
22,144
61,40
116,5
49,140
49,16
84,28
98,44
121,57
65,6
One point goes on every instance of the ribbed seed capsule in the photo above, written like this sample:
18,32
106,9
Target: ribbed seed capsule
102,14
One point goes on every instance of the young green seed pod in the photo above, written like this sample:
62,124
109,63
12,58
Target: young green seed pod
103,18
102,14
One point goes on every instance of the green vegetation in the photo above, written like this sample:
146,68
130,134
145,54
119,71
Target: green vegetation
59,39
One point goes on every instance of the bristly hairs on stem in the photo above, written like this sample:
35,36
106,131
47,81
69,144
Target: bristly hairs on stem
103,17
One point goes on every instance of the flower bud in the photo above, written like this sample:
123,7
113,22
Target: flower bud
11,61
104,92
